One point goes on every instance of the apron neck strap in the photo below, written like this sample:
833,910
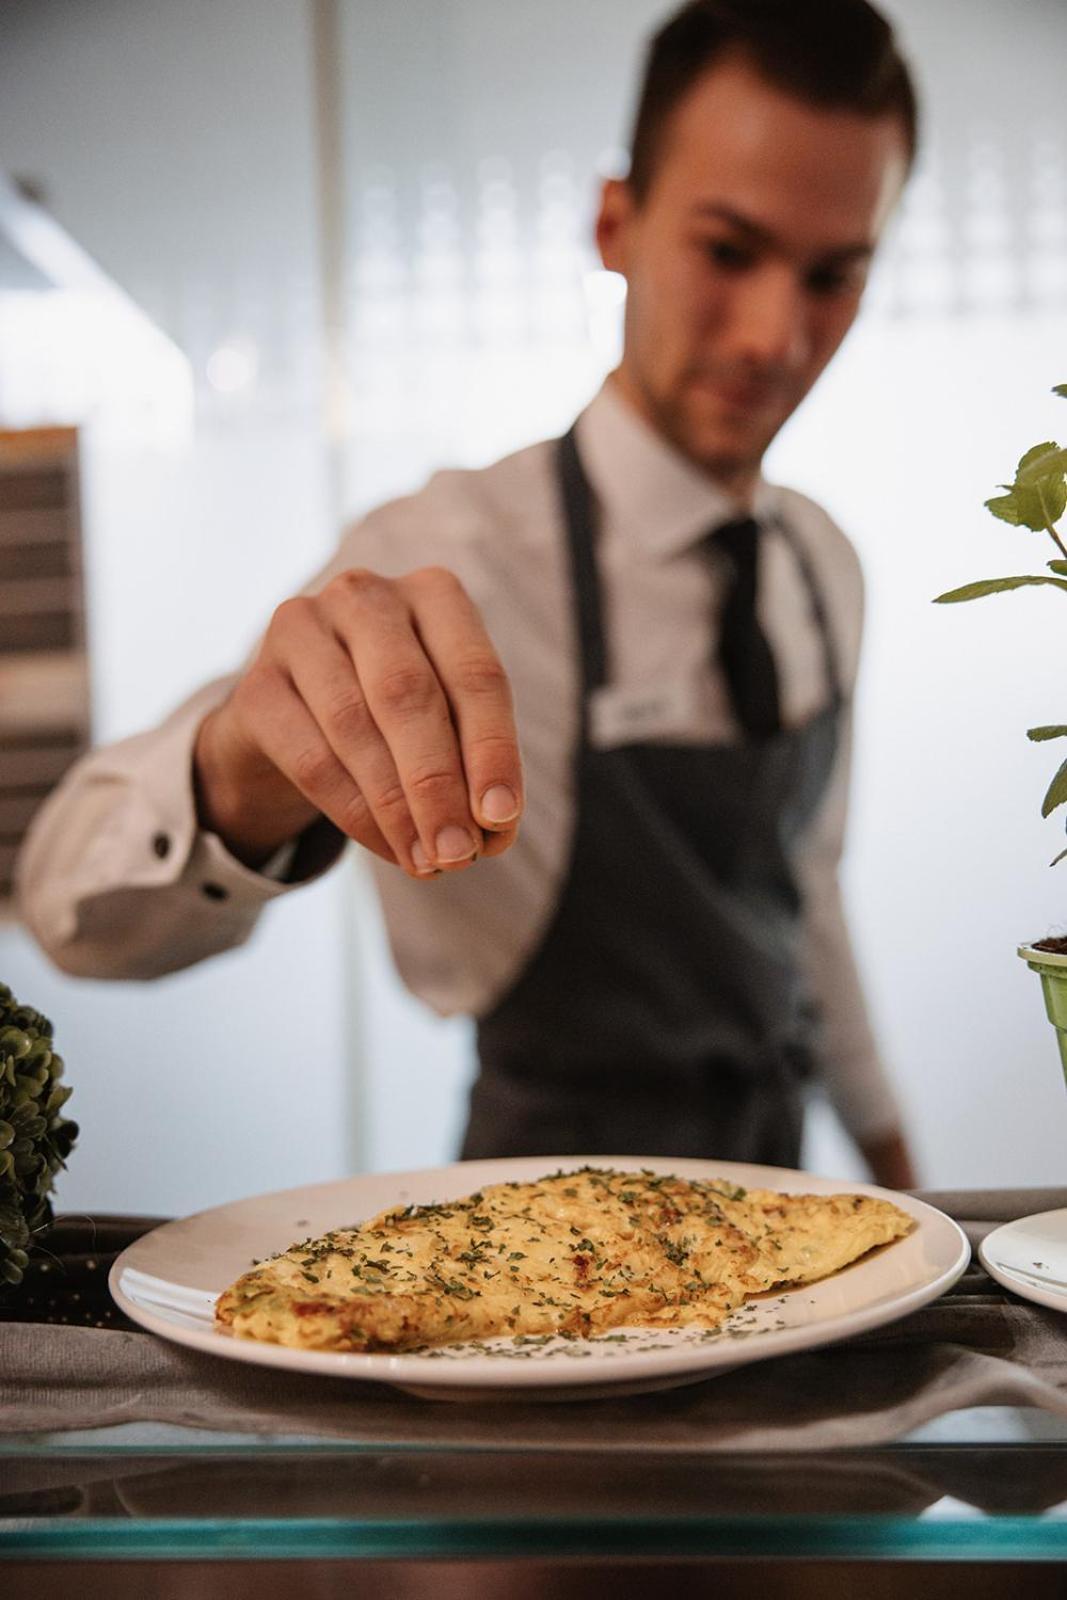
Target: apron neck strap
580,523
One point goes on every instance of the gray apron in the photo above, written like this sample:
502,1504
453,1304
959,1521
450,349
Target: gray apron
663,1012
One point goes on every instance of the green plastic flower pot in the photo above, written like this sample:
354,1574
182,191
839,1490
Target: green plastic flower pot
1051,968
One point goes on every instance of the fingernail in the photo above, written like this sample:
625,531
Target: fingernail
420,859
455,844
499,804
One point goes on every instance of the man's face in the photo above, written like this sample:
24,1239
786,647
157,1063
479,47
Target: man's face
745,260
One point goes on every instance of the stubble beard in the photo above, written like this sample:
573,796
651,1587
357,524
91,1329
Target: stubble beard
735,467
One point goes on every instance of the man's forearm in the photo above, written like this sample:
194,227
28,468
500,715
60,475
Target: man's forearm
890,1160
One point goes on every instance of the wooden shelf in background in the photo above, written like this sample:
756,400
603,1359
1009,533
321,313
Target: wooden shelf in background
44,670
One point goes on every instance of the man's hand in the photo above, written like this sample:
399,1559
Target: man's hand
890,1161
381,705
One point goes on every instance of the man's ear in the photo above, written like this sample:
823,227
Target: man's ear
613,224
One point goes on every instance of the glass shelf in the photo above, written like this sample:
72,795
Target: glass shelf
987,1485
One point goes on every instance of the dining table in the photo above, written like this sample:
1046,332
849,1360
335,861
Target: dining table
926,1456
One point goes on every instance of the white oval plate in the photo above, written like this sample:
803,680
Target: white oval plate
168,1282
1029,1257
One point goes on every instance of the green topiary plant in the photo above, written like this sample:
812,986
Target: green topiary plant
35,1138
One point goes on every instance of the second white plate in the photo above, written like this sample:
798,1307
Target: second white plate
1029,1256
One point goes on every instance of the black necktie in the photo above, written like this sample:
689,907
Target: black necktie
744,654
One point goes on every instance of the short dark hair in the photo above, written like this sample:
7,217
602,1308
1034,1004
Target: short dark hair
841,54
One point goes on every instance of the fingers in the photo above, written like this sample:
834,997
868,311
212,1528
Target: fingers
425,730
467,667
291,739
383,705
370,691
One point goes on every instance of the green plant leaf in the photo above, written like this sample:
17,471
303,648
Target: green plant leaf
1038,497
1057,859
1057,792
1058,566
1049,453
976,591
1054,731
1061,390
1041,460
1003,506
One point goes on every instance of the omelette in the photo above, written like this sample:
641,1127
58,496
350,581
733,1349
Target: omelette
573,1254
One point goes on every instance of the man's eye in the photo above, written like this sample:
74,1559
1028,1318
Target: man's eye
731,257
829,281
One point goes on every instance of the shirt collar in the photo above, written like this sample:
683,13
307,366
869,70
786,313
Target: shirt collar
652,494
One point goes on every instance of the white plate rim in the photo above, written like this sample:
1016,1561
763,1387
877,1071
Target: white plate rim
426,1373
1017,1279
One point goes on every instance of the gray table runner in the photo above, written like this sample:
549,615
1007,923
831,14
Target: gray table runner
977,1345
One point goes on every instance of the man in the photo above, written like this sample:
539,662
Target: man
658,957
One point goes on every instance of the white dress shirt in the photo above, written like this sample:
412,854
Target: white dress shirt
117,880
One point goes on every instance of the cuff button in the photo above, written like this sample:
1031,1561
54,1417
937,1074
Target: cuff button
161,845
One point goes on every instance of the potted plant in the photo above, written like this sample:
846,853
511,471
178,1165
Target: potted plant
1037,500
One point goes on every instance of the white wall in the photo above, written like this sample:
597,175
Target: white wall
174,139
232,1077
947,872
175,142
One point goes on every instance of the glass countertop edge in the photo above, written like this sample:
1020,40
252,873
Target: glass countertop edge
970,1428
870,1538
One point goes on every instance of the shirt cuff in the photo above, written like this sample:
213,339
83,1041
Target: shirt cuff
297,862
277,866
200,858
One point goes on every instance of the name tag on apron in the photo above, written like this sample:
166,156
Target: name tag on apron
619,716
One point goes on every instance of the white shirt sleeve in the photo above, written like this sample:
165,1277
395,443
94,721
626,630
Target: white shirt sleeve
852,1070
115,878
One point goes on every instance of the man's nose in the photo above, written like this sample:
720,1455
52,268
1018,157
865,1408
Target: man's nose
770,319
